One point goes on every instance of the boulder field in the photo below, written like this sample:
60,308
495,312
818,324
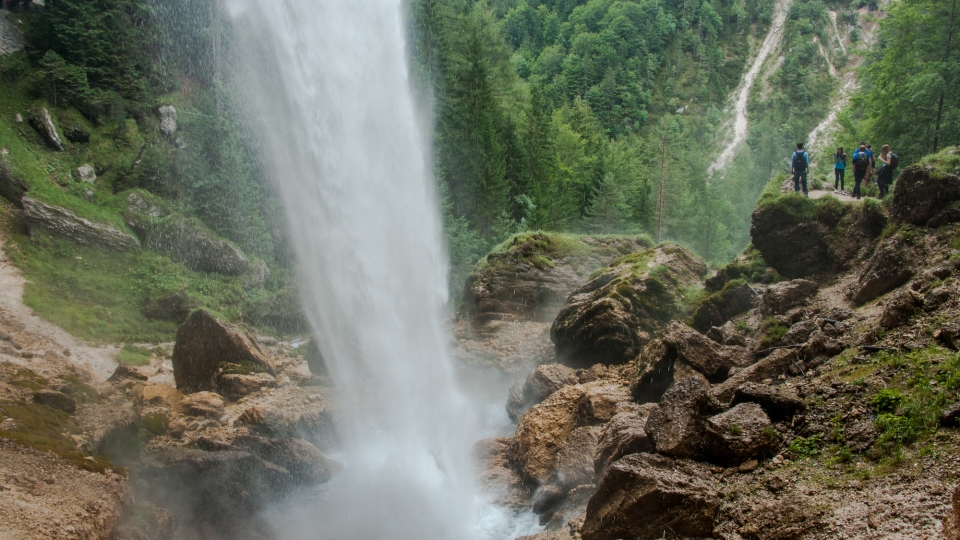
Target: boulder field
668,412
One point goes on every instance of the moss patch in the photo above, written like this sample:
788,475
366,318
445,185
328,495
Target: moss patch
131,355
24,378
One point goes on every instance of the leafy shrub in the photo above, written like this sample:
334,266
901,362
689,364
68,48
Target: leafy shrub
806,446
887,400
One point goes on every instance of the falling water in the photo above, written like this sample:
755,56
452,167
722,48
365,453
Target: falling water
327,86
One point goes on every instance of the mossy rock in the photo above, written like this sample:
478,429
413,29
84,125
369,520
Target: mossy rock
718,307
611,317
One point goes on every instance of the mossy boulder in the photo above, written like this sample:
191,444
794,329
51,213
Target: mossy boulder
530,276
12,186
716,308
922,194
623,306
187,241
63,223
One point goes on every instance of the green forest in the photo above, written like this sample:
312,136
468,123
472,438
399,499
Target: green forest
555,115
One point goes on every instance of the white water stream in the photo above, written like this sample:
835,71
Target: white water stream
328,90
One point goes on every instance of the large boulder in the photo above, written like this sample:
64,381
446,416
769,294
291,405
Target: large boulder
498,480
644,495
543,429
889,268
12,186
705,355
302,459
610,318
41,120
740,433
575,457
779,402
781,297
923,192
61,222
542,381
625,434
791,239
203,342
531,275
780,362
168,120
715,309
188,241
659,369
676,426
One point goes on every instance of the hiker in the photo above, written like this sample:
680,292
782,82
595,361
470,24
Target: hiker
862,158
799,163
888,162
839,168
872,168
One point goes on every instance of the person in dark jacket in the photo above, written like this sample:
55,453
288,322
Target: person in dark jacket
862,159
800,161
839,169
885,176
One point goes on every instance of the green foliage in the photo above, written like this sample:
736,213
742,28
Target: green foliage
772,332
887,400
802,447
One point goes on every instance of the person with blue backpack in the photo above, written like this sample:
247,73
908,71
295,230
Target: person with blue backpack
862,159
800,161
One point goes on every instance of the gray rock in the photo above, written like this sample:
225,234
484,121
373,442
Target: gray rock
57,400
676,426
12,186
888,269
920,194
139,205
168,120
542,381
900,308
742,432
64,223
799,332
706,356
41,121
86,173
779,402
778,363
188,241
575,457
643,495
781,297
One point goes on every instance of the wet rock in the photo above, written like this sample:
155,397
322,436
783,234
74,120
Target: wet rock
676,426
302,459
161,394
300,413
144,521
735,298
532,277
742,432
818,344
542,381
625,434
547,498
12,186
660,368
86,173
236,385
542,430
41,121
921,193
61,222
950,416
497,478
139,373
782,297
202,404
780,362
888,269
779,402
610,318
643,495
603,397
203,342
900,308
860,436
706,356
190,242
168,120
175,307
57,400
799,332
575,457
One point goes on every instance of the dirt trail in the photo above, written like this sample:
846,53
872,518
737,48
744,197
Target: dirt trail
740,120
37,336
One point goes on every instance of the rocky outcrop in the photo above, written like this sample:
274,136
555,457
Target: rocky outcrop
623,435
610,318
779,402
543,429
922,193
643,495
708,357
782,297
714,309
168,120
41,121
203,343
575,458
542,381
740,433
189,242
780,362
676,426
12,186
61,222
889,268
497,477
531,276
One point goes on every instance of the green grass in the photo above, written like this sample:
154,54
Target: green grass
772,332
131,355
541,248
946,160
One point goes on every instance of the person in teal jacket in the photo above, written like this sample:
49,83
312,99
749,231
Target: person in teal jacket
839,169
799,162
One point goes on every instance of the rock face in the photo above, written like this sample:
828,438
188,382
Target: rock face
643,495
533,276
41,121
575,457
168,120
625,434
203,342
543,429
742,432
676,426
784,296
187,241
779,402
705,355
790,238
921,193
734,298
610,318
771,367
542,381
64,223
12,187
888,269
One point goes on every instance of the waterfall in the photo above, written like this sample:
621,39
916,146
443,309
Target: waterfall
326,83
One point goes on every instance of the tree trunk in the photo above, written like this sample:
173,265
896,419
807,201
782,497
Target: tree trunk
946,58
